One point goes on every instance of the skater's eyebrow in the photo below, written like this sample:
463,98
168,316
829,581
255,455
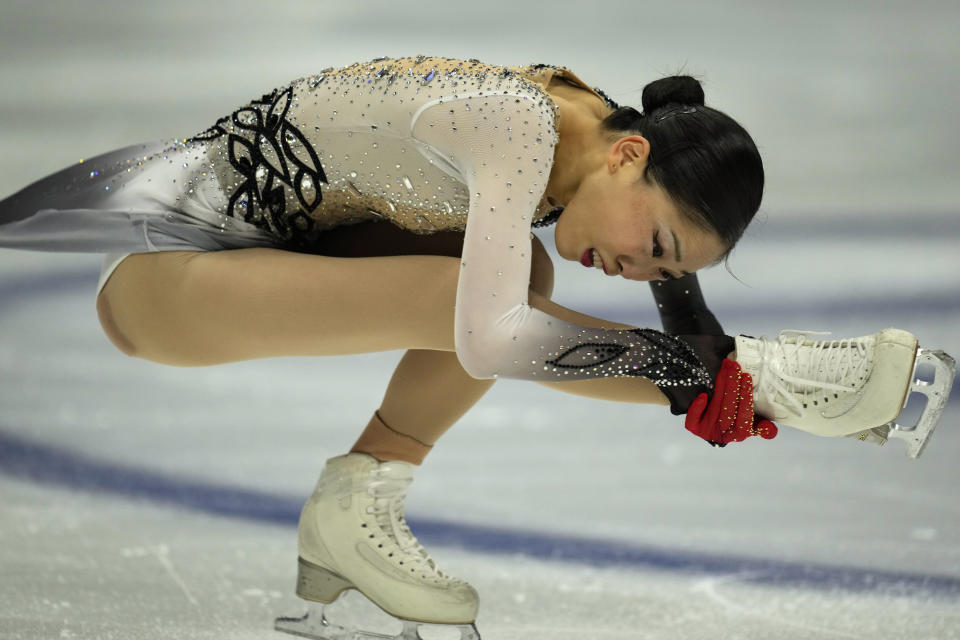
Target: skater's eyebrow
677,256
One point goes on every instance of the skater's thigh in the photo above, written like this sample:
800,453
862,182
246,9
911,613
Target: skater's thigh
197,308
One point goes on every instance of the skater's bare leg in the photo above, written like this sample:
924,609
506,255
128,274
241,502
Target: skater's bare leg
428,393
196,308
193,309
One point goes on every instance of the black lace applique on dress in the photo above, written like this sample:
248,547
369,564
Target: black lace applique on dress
549,219
273,156
610,103
663,359
588,355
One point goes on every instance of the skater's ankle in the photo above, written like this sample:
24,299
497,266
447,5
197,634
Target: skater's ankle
386,444
384,456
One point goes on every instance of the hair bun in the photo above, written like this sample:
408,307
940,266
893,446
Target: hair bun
672,90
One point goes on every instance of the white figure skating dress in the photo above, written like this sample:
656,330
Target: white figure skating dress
427,143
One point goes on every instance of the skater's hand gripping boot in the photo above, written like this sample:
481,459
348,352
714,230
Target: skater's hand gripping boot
727,416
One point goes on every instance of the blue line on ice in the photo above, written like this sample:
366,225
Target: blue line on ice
45,464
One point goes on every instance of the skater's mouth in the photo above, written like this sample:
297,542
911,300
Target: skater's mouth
592,258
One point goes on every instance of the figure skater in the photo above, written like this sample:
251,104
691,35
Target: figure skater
388,205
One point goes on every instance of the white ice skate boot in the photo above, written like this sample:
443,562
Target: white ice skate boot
855,386
353,535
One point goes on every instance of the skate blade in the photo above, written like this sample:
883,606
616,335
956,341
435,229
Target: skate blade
936,392
314,624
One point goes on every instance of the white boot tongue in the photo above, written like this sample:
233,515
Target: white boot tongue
396,469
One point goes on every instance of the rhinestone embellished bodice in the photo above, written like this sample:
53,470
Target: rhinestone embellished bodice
338,148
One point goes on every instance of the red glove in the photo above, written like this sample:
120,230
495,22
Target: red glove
728,416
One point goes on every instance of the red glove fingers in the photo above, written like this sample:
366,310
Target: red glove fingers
765,429
704,415
725,380
756,426
728,415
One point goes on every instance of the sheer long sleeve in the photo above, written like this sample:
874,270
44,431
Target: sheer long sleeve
682,308
684,312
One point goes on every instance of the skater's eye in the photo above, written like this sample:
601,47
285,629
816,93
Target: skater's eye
657,249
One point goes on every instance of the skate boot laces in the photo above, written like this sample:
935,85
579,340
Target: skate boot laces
389,494
794,364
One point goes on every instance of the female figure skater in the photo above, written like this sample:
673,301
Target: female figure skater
388,205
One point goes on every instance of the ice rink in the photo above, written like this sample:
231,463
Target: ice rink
143,501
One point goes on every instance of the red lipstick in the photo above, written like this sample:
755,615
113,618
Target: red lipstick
587,258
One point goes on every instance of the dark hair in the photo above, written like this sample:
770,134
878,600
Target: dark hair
701,157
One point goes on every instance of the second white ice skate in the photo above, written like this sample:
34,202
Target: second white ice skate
353,535
856,386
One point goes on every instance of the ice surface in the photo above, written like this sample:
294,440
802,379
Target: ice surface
142,501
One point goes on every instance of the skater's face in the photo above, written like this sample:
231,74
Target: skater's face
631,224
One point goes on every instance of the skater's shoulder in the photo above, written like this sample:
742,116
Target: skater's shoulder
464,76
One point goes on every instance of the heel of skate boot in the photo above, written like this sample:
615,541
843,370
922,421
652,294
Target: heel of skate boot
319,584
877,435
936,392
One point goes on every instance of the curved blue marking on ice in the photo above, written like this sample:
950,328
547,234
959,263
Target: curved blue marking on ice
45,464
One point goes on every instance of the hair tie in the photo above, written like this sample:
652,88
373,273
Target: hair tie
674,112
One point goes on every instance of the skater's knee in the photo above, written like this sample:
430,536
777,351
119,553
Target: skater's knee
137,307
110,328
541,269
